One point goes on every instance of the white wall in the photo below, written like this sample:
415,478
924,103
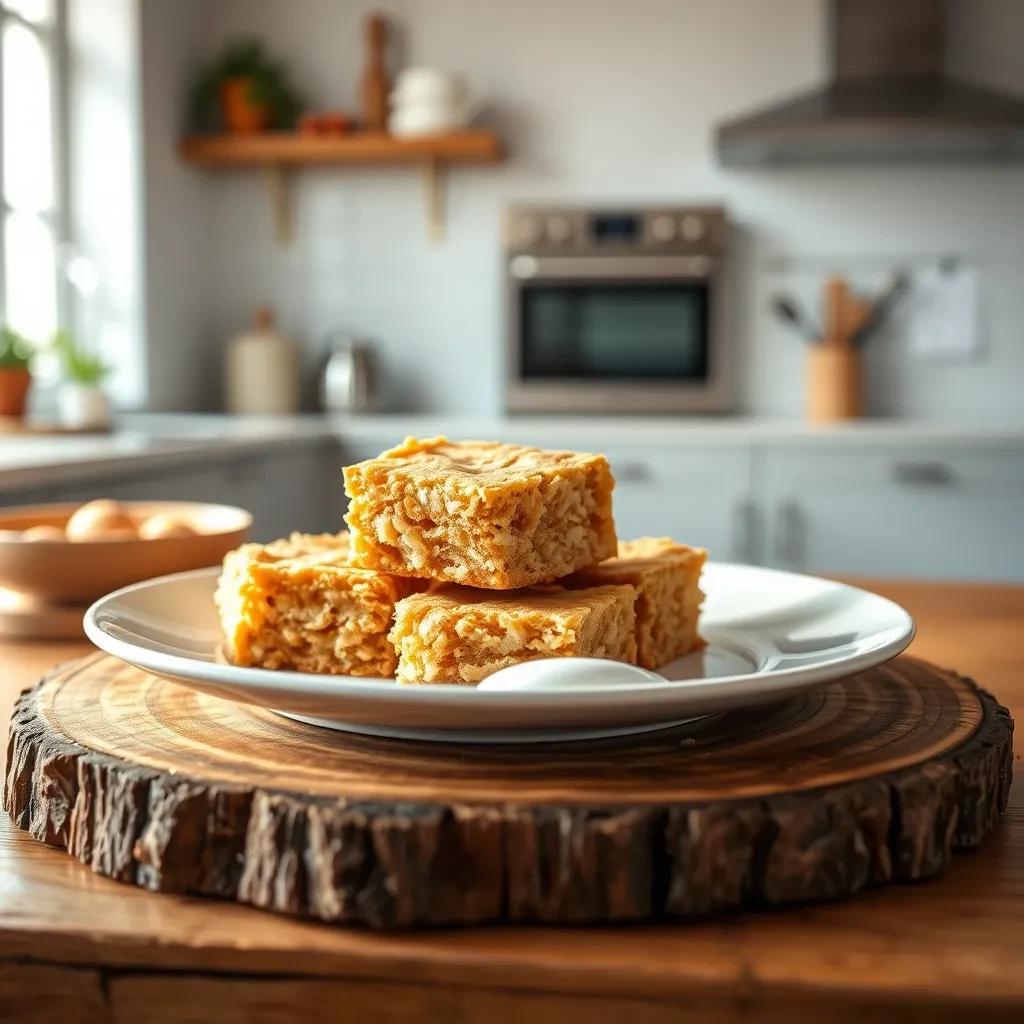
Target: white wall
598,99
179,257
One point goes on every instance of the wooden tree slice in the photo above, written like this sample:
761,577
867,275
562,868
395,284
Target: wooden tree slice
876,778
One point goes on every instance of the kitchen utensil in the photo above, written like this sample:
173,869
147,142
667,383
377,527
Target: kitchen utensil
770,635
789,311
844,314
262,369
547,674
374,86
884,303
347,378
80,571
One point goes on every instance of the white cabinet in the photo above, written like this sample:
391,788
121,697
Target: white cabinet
834,505
288,489
699,495
911,511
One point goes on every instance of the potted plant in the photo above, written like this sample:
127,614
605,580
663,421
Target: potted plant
247,89
81,403
15,376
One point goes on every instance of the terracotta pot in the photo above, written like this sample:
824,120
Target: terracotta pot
242,116
14,384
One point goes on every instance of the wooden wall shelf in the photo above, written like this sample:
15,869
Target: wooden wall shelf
214,151
279,154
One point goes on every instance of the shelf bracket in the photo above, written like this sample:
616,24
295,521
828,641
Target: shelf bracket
279,189
281,205
434,198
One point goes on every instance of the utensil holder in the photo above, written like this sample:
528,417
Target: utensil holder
834,383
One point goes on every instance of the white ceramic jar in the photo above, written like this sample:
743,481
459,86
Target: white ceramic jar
261,370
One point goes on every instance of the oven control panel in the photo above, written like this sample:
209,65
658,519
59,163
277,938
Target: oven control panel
545,230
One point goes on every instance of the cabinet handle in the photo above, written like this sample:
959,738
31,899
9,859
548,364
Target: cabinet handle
922,474
789,539
633,472
744,514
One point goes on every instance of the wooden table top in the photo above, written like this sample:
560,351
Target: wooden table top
78,947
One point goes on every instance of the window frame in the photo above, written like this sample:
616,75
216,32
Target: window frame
53,35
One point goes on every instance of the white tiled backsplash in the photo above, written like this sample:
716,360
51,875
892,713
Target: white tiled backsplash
599,100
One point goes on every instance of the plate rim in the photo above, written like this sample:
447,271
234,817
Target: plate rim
768,684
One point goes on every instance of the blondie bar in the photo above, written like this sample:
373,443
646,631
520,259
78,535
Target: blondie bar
479,513
666,576
298,604
460,635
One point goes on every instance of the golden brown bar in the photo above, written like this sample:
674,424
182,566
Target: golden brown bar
479,513
666,576
298,604
461,635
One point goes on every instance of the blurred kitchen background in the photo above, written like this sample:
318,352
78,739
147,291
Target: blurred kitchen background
769,256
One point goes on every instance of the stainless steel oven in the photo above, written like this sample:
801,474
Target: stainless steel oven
615,310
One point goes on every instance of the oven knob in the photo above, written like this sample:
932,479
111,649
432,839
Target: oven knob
559,230
526,232
663,228
692,227
523,267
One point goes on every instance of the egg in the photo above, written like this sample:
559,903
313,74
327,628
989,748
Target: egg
43,532
102,519
569,674
121,533
164,524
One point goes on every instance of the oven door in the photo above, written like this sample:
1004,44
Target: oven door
624,334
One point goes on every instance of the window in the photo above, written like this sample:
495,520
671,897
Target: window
32,202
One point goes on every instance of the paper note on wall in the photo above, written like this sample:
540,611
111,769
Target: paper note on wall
942,313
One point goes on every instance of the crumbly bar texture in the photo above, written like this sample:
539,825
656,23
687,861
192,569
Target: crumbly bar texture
458,634
479,513
298,604
666,576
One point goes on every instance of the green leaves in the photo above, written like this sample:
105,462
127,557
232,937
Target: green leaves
270,85
15,350
77,365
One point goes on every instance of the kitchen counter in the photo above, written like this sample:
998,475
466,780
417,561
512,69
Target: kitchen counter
666,429
145,441
173,439
89,949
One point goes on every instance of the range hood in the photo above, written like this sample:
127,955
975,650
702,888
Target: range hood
889,100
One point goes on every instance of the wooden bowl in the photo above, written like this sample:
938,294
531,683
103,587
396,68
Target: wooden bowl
81,571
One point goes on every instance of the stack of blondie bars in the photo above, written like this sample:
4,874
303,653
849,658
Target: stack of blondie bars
462,558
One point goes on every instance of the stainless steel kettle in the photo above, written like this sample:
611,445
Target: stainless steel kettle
346,382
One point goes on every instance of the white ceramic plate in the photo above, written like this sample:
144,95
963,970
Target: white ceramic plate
770,635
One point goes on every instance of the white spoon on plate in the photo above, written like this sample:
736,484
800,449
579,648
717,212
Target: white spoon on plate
569,674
